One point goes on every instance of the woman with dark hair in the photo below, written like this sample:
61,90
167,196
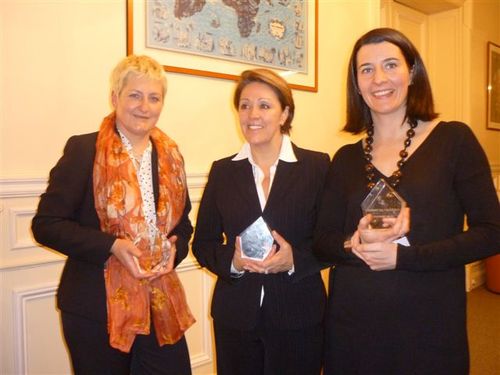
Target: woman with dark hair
397,294
267,313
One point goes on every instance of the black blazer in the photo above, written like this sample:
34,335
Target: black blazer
67,222
229,204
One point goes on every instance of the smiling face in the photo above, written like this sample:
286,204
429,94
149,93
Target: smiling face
138,106
383,78
261,115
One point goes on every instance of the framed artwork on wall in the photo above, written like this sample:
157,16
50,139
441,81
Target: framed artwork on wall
493,103
222,38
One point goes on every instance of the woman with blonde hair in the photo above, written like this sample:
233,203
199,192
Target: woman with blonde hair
117,207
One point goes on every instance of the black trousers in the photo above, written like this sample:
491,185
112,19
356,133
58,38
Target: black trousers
268,351
91,354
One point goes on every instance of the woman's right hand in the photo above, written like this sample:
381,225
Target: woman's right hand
238,262
125,251
243,264
377,247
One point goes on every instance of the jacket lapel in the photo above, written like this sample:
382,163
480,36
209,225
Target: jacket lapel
241,177
286,175
154,169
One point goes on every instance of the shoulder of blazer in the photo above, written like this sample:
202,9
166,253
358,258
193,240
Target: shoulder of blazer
84,143
227,160
88,137
304,154
227,163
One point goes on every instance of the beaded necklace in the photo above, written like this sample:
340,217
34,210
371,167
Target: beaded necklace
370,168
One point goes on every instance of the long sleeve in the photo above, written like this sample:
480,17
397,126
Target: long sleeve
209,245
183,230
476,196
66,220
331,229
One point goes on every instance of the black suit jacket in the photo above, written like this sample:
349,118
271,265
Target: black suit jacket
67,222
229,204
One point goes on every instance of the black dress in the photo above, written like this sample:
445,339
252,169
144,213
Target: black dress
410,320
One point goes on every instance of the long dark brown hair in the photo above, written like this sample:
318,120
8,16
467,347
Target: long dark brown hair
419,103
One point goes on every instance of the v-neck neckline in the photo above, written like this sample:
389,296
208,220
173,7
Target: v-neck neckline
415,152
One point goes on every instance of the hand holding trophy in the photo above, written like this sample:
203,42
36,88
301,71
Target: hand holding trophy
382,203
155,247
386,218
256,240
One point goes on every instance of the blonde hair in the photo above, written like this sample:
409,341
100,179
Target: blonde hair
139,66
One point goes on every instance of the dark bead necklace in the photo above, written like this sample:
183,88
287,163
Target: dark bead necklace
370,169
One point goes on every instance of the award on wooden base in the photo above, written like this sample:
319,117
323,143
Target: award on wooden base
382,202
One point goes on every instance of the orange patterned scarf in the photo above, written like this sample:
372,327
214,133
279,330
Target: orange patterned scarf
131,302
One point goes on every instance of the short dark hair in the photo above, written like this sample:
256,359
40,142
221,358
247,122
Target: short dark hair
419,103
276,83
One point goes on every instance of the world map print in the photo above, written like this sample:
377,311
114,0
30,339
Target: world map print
270,33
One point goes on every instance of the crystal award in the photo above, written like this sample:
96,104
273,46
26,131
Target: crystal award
382,202
256,240
155,248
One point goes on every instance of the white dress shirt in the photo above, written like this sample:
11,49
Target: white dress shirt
145,179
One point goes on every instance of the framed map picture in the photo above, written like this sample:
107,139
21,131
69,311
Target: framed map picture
221,38
493,112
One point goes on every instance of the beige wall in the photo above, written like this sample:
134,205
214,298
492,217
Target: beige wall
55,59
57,55
481,19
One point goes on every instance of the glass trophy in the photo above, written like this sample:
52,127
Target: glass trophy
382,202
256,240
155,248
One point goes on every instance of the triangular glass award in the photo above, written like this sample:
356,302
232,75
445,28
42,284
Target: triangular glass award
382,202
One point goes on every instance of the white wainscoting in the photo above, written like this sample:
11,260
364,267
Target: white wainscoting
31,338
33,334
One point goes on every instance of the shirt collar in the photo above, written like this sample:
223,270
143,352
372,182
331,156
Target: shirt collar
286,151
128,145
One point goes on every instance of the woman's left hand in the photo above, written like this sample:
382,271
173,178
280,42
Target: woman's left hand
379,256
169,266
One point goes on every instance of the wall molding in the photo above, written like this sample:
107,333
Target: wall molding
17,242
206,356
22,187
34,186
188,264
21,297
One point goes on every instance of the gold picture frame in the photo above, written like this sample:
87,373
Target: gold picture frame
493,87
208,66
